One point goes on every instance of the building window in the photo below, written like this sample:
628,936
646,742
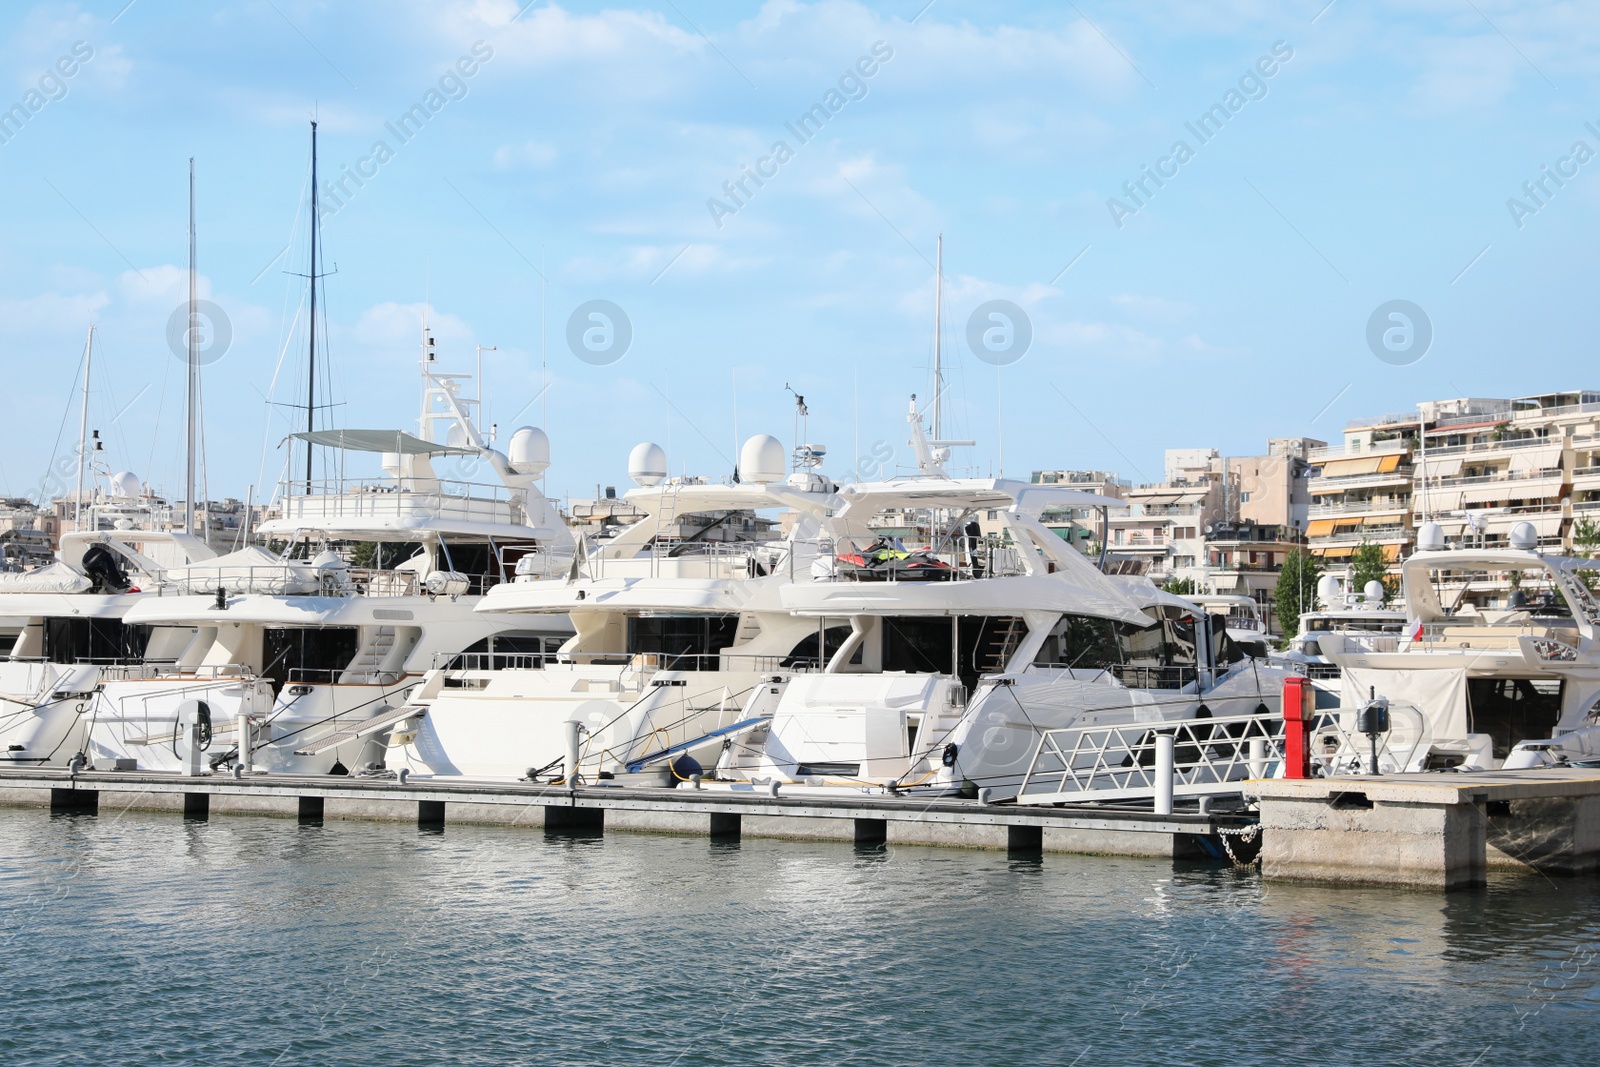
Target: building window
1244,497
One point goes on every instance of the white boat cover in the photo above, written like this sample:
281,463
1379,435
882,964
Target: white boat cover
1441,694
56,578
249,570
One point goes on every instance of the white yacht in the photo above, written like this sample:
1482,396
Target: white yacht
1498,667
300,659
71,623
681,642
1338,611
955,657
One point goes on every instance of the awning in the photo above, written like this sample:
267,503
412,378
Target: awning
397,441
1447,467
1547,525
1344,468
1391,553
1341,552
1319,528
1536,459
1389,519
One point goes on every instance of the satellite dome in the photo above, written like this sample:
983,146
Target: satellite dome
456,436
1430,537
1524,537
126,484
390,461
761,460
529,450
647,464
1328,589
1374,592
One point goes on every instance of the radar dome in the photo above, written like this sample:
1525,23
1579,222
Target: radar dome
529,450
1374,592
126,484
456,436
1328,590
1430,537
761,460
390,461
647,464
1524,537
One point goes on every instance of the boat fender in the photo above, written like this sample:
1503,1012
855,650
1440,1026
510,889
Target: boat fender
949,757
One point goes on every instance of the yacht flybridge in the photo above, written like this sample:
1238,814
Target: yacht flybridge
1498,667
300,659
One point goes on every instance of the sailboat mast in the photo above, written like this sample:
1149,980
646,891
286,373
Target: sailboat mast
311,331
83,428
192,358
938,369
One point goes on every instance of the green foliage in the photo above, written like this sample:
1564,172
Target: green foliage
1368,565
1296,591
1182,587
363,554
1586,536
1586,542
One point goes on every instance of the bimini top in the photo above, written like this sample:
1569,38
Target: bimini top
396,441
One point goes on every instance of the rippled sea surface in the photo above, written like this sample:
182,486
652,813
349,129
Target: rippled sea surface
145,939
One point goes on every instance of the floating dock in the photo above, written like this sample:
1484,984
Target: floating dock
1434,831
440,803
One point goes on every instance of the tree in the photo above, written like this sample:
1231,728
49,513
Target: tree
1368,565
1586,542
1182,587
1296,591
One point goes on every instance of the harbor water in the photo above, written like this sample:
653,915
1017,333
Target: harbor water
141,938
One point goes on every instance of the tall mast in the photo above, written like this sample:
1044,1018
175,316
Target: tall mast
83,428
938,369
311,331
192,357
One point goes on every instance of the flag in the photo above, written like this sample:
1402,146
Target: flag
1414,630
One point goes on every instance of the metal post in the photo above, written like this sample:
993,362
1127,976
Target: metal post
1164,771
574,729
1258,757
245,743
194,760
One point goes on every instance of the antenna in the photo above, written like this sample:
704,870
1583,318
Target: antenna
83,428
481,350
192,357
311,323
801,414
938,367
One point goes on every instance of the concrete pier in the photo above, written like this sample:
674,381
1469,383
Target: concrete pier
863,821
1433,831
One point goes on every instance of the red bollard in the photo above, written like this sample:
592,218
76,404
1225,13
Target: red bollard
1299,709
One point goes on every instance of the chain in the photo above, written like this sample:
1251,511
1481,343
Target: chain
1245,834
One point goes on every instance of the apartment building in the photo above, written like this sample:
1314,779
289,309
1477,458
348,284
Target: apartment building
1491,464
1080,526
1162,535
1362,490
1478,466
1265,505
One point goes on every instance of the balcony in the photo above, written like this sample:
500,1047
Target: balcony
1359,507
1378,448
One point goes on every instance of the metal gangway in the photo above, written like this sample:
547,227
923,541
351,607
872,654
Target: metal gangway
1204,757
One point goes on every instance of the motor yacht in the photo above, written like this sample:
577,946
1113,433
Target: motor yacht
1497,667
681,640
945,676
70,618
300,657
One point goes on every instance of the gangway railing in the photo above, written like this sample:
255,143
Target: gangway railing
1210,757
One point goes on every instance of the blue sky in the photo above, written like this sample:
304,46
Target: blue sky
1375,163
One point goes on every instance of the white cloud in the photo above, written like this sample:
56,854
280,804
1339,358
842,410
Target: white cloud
526,155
